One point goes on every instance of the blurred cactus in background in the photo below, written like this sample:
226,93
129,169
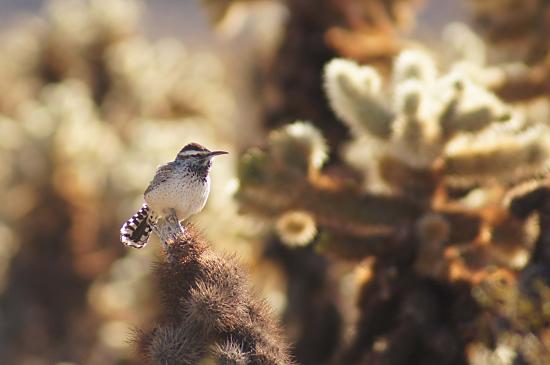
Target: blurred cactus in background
519,27
448,127
313,33
316,32
518,30
89,107
438,160
391,204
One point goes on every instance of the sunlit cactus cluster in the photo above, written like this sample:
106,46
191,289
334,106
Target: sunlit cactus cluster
434,161
415,141
93,108
448,127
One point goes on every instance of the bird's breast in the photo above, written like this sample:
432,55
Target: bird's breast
185,194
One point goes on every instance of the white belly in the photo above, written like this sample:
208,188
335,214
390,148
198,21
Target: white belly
184,196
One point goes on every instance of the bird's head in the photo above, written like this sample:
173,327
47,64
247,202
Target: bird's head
196,155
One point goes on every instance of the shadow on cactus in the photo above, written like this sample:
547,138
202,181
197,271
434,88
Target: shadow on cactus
518,31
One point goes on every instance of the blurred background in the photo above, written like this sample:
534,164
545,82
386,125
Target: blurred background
367,254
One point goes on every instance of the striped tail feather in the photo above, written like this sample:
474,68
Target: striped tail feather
136,231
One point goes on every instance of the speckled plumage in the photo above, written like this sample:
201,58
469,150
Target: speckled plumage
181,185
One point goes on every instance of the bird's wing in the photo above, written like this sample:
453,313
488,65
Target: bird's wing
164,172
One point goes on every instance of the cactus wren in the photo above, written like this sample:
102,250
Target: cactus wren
181,186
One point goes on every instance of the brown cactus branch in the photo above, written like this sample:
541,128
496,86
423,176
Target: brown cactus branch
208,308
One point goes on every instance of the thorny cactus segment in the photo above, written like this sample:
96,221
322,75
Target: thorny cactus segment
230,353
351,223
270,186
446,126
298,146
414,65
469,107
174,345
498,157
208,308
353,94
316,31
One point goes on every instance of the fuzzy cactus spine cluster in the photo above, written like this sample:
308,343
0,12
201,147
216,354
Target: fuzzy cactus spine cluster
439,157
209,310
448,126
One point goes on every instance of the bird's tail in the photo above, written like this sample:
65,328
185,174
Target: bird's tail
136,231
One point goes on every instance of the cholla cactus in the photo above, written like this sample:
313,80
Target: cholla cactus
448,127
208,308
91,100
287,177
70,44
314,33
438,152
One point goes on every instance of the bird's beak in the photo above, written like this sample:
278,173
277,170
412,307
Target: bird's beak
216,153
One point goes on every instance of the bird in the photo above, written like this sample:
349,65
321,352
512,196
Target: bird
181,186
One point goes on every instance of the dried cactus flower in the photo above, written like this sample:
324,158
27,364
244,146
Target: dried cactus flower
296,228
